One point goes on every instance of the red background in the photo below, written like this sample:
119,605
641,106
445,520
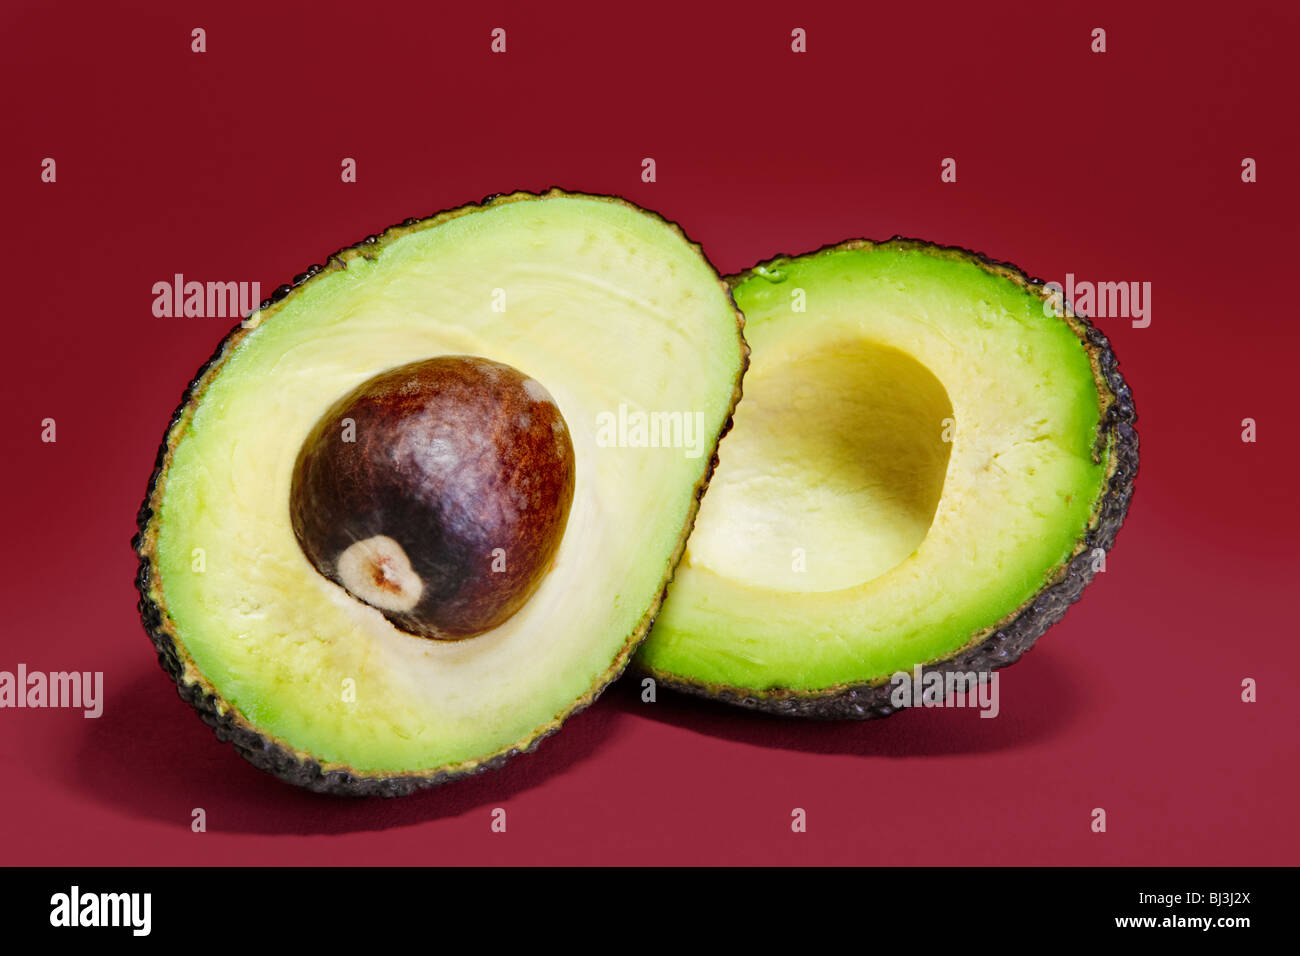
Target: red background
1122,166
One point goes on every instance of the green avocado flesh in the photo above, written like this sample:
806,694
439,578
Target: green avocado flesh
600,302
915,457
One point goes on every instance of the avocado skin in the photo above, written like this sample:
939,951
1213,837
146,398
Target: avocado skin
1016,633
275,756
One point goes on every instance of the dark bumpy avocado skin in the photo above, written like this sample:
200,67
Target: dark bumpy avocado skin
1014,635
275,756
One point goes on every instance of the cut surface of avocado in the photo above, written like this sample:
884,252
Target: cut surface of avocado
601,304
920,472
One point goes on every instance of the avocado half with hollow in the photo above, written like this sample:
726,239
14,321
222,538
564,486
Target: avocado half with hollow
925,461
385,544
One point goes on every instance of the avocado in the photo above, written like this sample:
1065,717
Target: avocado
925,461
384,545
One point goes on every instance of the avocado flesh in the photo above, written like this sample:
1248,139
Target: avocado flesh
604,304
915,550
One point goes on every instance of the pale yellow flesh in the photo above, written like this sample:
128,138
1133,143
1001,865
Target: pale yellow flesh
912,460
604,305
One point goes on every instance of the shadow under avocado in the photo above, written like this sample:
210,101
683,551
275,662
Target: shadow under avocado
150,756
1037,700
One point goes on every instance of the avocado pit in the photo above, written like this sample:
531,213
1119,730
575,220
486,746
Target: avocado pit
437,493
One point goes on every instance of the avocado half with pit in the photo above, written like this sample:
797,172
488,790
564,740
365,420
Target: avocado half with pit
927,468
386,542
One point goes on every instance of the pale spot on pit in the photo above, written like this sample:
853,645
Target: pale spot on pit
537,392
378,572
440,452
